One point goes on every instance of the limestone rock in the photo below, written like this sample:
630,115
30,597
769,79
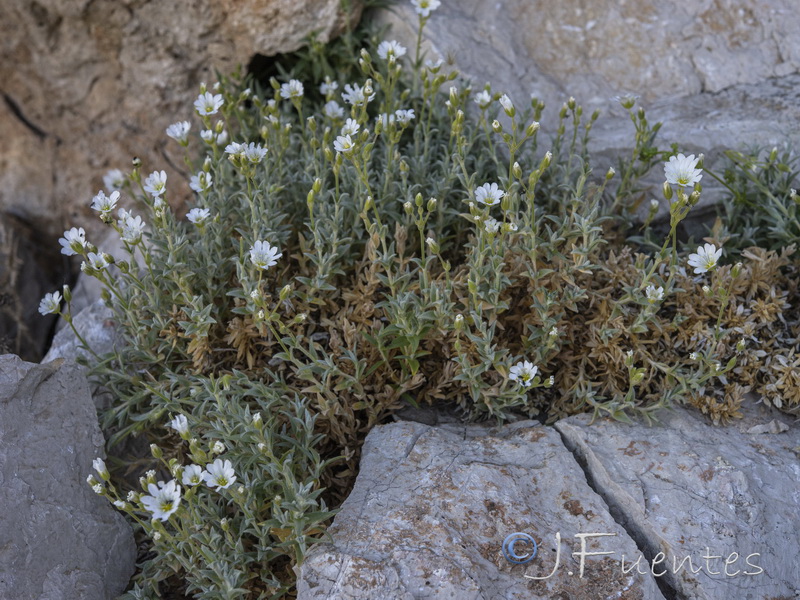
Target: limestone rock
685,488
432,506
96,325
58,539
88,85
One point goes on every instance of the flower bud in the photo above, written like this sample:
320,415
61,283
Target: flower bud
654,205
418,200
257,419
610,173
156,451
706,290
496,127
136,162
562,114
773,155
67,293
431,204
736,270
666,188
432,245
548,156
532,129
369,203
317,185
694,198
408,208
571,103
740,345
459,322
508,107
403,166
285,291
516,170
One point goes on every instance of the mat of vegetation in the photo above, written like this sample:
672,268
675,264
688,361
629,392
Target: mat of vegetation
362,239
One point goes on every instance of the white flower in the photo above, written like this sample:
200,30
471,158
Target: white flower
354,94
343,144
212,137
491,225
163,499
390,49
553,332
332,110
131,496
254,153
198,215
179,424
132,227
404,117
96,261
693,356
483,99
705,259
293,89
114,180
218,447
680,170
192,475
524,372
263,256
156,183
654,204
489,194
654,294
73,238
98,488
257,419
208,104
626,100
350,127
99,465
201,182
179,131
506,102
328,87
105,204
424,7
219,475
50,304
120,504
234,148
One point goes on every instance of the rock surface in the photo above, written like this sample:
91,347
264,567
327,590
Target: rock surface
432,506
686,488
58,539
88,85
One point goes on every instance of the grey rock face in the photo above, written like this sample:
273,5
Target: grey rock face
58,539
432,506
687,488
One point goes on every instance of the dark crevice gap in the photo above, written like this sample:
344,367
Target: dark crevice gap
17,112
648,550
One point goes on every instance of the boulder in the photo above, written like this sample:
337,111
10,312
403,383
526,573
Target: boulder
687,488
88,85
58,539
431,509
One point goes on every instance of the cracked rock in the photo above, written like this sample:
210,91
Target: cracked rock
686,488
432,506
58,539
